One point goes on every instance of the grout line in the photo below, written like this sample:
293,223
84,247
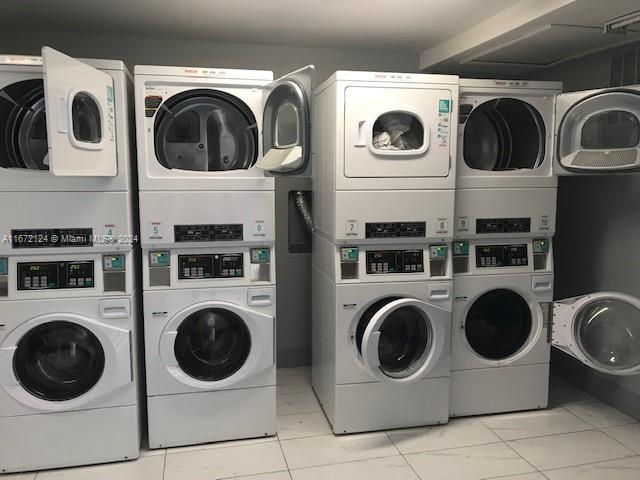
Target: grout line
353,460
602,430
402,455
164,464
588,464
286,463
522,457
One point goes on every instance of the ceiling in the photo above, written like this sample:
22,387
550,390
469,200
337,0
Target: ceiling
409,25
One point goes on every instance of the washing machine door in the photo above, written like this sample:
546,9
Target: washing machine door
205,130
602,330
499,325
599,132
80,117
401,339
286,124
64,361
503,134
217,344
23,126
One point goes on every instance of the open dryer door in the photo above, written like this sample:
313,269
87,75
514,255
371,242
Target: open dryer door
598,131
286,127
602,330
80,116
401,339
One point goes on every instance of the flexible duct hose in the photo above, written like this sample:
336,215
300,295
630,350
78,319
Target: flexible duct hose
304,209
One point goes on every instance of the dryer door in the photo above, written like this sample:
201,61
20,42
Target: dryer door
599,132
64,361
80,116
396,132
286,127
401,339
217,344
602,330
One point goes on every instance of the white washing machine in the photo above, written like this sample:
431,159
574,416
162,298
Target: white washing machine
385,157
66,126
500,341
601,329
209,321
381,334
68,361
217,137
598,131
506,185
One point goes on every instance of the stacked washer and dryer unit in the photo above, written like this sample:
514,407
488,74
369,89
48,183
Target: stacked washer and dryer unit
515,138
209,144
383,191
68,369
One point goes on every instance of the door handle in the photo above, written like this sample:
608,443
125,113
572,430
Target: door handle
361,134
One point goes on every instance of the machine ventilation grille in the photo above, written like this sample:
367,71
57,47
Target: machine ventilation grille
610,160
625,68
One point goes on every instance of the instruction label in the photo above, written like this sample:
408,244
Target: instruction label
444,114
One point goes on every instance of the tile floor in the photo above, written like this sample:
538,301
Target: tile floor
578,437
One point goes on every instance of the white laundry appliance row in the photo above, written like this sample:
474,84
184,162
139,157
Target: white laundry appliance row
432,261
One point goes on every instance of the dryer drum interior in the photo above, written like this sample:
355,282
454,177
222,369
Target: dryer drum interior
607,331
212,344
23,121
504,134
498,324
405,338
58,361
205,130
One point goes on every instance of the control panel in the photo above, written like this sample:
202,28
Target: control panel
503,225
495,256
54,275
208,233
438,255
394,261
395,230
52,238
227,265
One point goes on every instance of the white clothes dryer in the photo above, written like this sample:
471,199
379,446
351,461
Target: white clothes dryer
212,140
500,341
68,361
385,151
210,345
381,335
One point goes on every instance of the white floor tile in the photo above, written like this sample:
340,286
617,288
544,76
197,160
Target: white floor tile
230,443
328,449
292,403
388,468
469,463
293,380
569,449
302,425
19,476
225,462
623,469
628,435
600,415
149,468
463,432
523,476
535,424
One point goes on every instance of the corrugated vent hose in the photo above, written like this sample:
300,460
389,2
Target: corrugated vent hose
305,211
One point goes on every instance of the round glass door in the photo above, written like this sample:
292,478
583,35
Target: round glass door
58,361
212,344
498,324
405,337
205,130
23,124
504,134
607,331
